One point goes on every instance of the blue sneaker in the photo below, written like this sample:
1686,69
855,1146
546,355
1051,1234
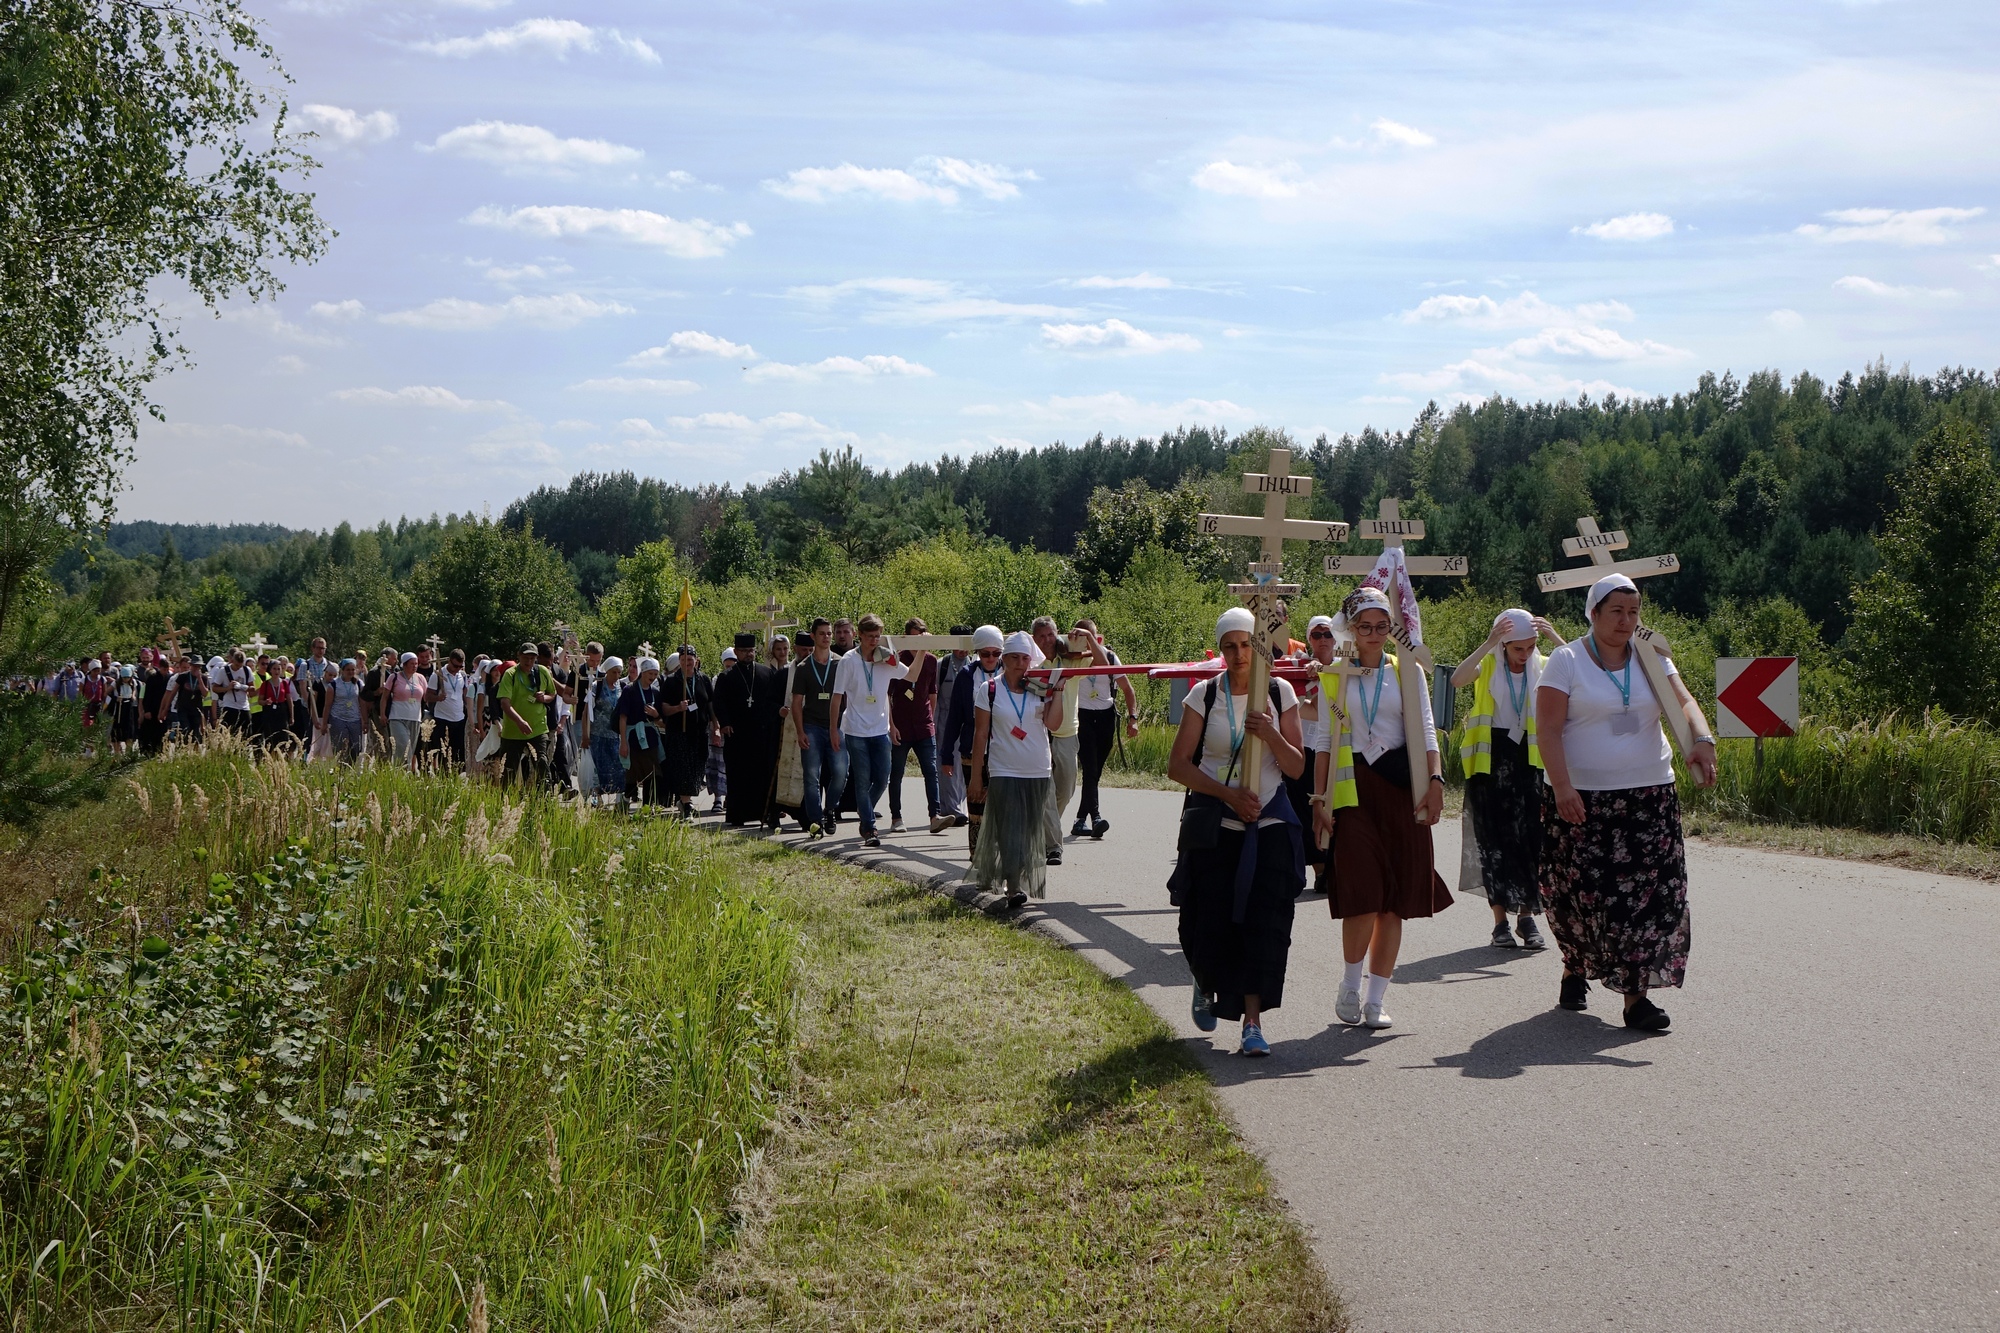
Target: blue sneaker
1204,1017
1253,1041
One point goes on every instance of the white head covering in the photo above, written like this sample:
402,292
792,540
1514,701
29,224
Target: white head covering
644,665
672,664
729,654
613,664
987,636
1363,598
1516,625
1234,619
1020,641
1604,587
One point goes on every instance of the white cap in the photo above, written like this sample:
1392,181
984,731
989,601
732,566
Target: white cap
1603,588
672,664
1514,625
1234,619
1020,641
987,636
729,654
1316,622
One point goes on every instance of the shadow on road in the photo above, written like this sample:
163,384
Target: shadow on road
1335,1046
1552,1037
1479,963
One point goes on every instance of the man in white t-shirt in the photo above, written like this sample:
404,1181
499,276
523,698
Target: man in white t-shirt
449,695
859,719
232,692
1096,701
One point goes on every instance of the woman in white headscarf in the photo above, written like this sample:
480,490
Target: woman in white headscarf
1503,772
1315,720
1384,865
1012,773
1614,868
1242,854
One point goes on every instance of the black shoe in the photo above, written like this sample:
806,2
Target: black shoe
1503,938
1574,991
1097,829
870,840
1079,829
1646,1016
959,821
1016,900
1055,858
1531,937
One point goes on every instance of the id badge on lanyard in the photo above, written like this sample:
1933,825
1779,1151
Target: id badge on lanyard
1625,723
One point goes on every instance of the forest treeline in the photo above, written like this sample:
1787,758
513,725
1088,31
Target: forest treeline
1765,489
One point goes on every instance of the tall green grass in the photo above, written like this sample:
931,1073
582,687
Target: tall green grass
391,1048
1927,778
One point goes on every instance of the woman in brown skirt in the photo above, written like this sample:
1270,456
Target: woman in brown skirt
1384,871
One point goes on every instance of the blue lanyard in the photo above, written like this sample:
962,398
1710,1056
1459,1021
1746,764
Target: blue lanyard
819,674
1624,686
1369,708
1021,708
1235,732
1520,698
868,670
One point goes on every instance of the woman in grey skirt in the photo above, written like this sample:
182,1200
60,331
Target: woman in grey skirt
1012,773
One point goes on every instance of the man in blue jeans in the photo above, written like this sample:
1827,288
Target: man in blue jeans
913,731
860,721
814,725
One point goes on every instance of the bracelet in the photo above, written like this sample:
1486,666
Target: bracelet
1437,778
1704,740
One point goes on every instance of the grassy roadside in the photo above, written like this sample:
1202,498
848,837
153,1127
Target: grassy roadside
987,1133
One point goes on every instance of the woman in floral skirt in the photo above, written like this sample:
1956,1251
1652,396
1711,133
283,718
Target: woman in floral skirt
1614,867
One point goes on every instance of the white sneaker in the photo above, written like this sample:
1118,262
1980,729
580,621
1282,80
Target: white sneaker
941,823
895,826
1373,1017
1348,1006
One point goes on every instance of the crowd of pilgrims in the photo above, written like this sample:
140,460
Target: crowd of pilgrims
1571,810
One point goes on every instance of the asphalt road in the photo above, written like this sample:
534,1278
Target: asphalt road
1815,1145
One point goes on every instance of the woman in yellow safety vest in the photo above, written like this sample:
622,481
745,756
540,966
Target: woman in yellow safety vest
1503,768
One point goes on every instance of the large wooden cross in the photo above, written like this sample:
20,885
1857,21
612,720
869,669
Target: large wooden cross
1265,593
1391,529
1598,546
1277,487
171,636
257,646
436,643
644,650
769,624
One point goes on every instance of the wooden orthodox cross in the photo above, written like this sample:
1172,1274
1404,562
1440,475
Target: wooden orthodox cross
770,623
436,644
644,650
1391,529
171,636
1265,593
1599,546
257,646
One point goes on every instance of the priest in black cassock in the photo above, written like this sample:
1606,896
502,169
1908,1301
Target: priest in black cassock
747,700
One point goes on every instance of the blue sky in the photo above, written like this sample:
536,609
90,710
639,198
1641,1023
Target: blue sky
704,241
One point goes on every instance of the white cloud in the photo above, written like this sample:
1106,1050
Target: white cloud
1522,311
620,384
347,310
532,272
932,180
1591,342
455,314
345,127
1283,181
1887,291
1479,377
1630,227
1115,335
420,395
1787,320
1139,281
556,37
1390,132
530,148
863,367
924,301
692,239
689,342
287,365
264,317
1118,409
1920,226
1990,264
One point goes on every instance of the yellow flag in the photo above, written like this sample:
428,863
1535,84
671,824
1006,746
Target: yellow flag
687,601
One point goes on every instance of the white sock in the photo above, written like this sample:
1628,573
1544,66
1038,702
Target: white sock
1351,978
1378,988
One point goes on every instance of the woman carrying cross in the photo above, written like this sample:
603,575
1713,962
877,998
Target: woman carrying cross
1384,866
1503,772
1614,867
1235,887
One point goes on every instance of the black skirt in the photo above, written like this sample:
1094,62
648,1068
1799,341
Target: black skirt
1506,806
1232,959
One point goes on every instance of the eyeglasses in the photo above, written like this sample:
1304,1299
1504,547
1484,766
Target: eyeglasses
988,652
1371,627
1320,634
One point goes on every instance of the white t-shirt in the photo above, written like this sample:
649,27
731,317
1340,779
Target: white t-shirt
1372,741
452,689
232,687
1221,735
865,710
1008,755
1609,746
1098,692
1504,682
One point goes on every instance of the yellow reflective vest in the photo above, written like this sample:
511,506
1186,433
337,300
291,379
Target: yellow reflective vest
1475,751
1341,789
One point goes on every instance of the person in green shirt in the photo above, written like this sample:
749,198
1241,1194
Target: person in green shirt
525,692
